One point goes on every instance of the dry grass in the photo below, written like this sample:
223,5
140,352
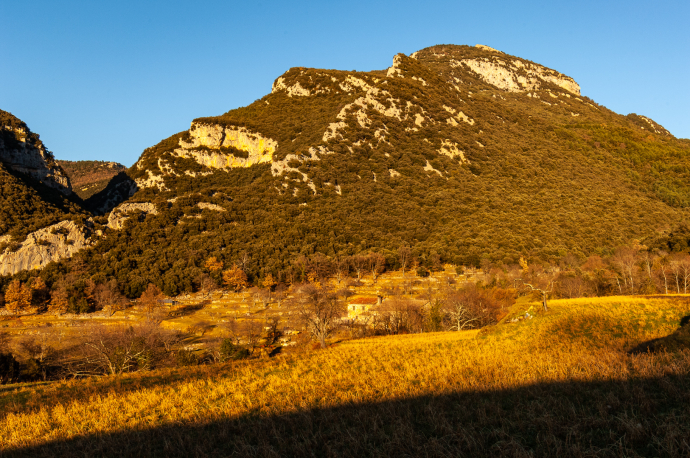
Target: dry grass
561,383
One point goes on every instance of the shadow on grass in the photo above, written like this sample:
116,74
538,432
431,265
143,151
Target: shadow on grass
187,310
679,340
639,417
13,397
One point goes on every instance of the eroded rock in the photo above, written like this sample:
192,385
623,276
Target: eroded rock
52,243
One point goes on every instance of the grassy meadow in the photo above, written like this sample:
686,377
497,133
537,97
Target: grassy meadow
563,383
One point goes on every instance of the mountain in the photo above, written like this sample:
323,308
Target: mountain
90,177
41,220
463,153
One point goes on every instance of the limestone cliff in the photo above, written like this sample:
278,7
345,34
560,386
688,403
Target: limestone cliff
211,146
45,245
22,151
123,212
514,74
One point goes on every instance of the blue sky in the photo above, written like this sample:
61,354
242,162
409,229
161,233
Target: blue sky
105,80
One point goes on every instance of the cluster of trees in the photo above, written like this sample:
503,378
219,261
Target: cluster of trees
98,350
664,267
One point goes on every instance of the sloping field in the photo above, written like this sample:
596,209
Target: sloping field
560,384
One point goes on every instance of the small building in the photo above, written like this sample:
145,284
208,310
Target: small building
362,304
169,302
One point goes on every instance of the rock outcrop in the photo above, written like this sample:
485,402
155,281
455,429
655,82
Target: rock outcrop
22,151
123,212
516,75
51,243
213,146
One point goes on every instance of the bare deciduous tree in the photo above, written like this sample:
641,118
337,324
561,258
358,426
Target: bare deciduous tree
376,264
404,255
341,267
320,309
115,350
109,298
359,263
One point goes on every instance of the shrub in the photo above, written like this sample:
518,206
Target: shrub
9,368
231,351
187,358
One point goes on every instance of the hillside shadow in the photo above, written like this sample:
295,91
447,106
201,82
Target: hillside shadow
120,188
678,340
639,417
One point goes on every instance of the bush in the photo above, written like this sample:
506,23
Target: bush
9,368
187,358
230,351
422,271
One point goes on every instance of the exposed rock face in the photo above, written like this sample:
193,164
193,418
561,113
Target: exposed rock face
259,149
123,212
209,206
649,124
215,147
516,75
49,244
22,151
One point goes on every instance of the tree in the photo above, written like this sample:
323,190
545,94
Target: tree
205,283
108,297
40,295
543,291
59,300
404,255
626,262
269,282
543,284
397,315
17,297
213,264
341,267
675,264
151,298
662,266
359,263
118,349
459,314
320,309
235,278
9,368
244,261
377,264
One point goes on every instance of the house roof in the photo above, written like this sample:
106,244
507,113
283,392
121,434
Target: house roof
364,301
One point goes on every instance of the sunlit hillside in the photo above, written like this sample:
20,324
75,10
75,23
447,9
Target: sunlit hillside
563,383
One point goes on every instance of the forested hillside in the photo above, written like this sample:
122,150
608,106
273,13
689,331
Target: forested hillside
34,191
90,177
465,154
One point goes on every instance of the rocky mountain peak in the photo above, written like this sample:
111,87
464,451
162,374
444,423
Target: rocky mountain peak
22,151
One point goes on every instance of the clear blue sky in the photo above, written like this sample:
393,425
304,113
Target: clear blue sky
105,80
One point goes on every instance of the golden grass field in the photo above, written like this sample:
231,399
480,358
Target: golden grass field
560,384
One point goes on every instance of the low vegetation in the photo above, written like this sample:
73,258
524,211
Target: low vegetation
562,381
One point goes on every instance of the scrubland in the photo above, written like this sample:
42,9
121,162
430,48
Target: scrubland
572,381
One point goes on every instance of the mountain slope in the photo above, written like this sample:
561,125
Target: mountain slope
461,152
90,177
22,151
35,193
